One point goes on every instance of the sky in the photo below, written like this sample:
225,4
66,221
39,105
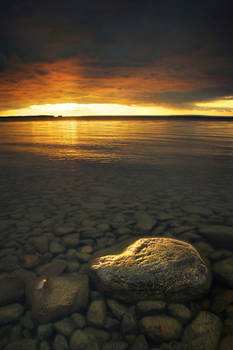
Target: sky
116,57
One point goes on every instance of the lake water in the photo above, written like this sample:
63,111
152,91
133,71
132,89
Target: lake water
95,176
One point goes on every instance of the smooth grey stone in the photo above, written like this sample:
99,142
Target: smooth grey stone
59,296
154,268
10,313
204,332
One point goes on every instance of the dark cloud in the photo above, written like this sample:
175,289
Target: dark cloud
177,40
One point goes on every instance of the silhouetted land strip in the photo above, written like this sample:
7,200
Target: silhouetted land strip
120,117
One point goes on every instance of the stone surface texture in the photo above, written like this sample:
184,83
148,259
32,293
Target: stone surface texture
155,268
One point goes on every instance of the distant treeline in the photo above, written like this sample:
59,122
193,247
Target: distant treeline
114,117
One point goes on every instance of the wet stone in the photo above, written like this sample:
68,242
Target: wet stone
60,296
140,343
144,221
64,326
180,312
10,313
55,247
224,270
154,268
79,320
65,229
81,340
96,313
44,331
115,345
22,344
54,268
160,328
117,308
41,243
11,290
60,343
44,345
204,332
218,235
150,307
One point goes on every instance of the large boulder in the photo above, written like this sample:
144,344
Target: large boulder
58,296
155,268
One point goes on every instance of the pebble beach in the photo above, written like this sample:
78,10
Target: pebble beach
58,214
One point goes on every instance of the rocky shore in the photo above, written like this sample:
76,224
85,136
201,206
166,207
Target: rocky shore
49,300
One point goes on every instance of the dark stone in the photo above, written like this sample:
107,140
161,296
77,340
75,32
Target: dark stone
11,290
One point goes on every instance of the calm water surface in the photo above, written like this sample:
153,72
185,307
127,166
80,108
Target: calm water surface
88,172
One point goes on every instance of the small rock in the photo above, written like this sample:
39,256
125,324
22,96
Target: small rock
60,343
218,235
160,328
65,229
96,313
224,270
144,222
99,334
226,343
79,320
12,289
150,307
22,344
140,343
41,243
64,326
180,312
54,268
56,247
204,332
129,322
44,331
44,345
80,340
115,345
10,313
117,308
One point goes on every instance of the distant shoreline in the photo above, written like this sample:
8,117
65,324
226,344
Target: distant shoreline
114,117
